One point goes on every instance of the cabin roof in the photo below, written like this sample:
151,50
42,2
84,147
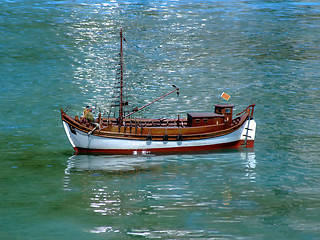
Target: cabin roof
224,105
204,115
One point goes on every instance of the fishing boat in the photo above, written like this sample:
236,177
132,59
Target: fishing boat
124,134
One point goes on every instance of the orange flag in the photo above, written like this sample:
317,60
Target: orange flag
225,96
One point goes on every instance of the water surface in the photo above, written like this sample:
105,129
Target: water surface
59,53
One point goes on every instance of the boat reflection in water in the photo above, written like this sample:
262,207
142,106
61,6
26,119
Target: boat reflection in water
112,163
250,162
158,186
119,163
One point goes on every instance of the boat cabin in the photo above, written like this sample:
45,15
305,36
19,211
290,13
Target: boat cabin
226,110
204,118
221,115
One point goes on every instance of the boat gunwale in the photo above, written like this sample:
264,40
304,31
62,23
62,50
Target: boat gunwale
180,131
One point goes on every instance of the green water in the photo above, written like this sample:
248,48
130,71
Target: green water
59,53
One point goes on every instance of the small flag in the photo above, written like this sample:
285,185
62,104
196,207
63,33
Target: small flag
225,96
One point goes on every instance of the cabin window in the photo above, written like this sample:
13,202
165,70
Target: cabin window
205,120
197,121
228,110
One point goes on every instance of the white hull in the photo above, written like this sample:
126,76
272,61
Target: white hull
83,142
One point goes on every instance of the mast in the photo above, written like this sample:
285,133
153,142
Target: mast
122,114
121,80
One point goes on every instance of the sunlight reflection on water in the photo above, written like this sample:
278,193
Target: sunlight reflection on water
159,187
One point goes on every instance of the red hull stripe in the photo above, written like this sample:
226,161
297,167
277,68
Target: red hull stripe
231,145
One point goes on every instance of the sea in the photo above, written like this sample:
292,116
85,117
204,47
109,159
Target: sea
60,53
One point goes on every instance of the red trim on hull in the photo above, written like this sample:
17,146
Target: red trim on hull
231,145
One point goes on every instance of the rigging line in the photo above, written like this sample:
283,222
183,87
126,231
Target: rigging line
135,49
138,53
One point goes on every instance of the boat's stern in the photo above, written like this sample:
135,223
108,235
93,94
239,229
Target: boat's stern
248,133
